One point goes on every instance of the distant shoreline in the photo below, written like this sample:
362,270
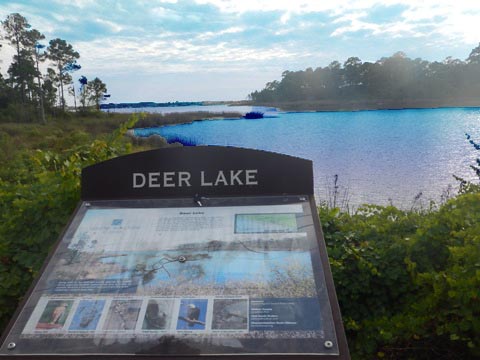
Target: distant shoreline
313,106
158,119
153,119
176,104
358,105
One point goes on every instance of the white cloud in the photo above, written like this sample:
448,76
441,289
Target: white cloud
114,27
153,55
353,16
299,6
161,12
462,27
338,6
455,20
354,23
210,34
77,3
285,17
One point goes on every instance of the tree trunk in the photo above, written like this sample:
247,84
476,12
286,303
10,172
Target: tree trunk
74,97
61,87
40,92
22,85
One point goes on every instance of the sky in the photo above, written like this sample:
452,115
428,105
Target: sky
197,50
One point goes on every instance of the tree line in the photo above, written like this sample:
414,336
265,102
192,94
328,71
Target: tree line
397,77
28,93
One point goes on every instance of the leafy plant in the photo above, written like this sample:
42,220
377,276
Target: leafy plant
35,205
408,281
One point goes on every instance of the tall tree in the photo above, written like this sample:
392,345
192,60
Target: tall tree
474,57
49,89
16,27
63,56
352,71
16,31
96,90
4,93
22,74
38,58
34,38
83,91
473,72
71,90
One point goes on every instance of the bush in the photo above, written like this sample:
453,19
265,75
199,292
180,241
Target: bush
408,281
36,200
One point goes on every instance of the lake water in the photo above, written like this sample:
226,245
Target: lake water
217,268
383,156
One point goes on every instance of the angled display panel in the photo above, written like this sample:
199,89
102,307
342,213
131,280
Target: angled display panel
189,276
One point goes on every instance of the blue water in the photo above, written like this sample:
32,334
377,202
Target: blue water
220,266
383,156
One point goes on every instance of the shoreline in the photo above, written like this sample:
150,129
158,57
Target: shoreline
368,105
153,120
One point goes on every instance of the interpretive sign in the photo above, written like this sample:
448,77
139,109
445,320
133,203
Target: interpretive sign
206,251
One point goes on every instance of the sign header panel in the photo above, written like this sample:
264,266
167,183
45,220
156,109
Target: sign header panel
203,171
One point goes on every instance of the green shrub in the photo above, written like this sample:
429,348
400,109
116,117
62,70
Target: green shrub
408,282
36,200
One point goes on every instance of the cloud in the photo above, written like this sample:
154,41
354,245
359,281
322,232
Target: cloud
158,37
299,6
164,13
113,27
151,55
211,35
452,21
82,4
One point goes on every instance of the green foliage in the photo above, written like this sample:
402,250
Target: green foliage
22,89
96,89
408,281
467,187
367,252
27,95
62,55
446,269
36,200
390,82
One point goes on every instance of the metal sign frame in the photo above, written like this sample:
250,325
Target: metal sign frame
199,177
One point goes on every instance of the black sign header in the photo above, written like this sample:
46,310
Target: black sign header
202,170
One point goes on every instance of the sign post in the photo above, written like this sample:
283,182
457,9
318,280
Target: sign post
205,251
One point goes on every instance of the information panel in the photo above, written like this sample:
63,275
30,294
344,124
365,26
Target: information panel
198,252
239,278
